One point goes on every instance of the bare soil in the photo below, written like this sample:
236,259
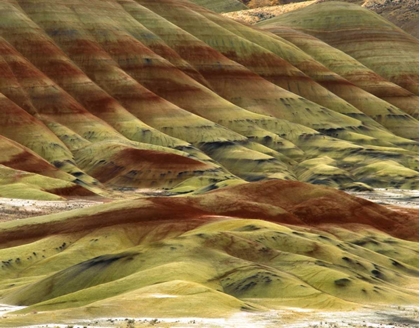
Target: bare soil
394,198
253,16
15,209
379,317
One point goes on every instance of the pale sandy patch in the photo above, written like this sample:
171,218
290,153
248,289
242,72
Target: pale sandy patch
14,209
394,197
253,16
369,317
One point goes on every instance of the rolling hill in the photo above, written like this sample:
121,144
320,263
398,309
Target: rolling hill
243,131
366,35
308,247
402,13
166,80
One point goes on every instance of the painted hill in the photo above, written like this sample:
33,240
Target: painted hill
235,128
346,66
221,6
362,35
402,13
167,94
316,248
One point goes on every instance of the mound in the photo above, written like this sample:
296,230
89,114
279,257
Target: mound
363,35
322,249
402,13
354,72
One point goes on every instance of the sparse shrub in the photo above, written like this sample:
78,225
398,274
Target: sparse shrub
154,321
130,323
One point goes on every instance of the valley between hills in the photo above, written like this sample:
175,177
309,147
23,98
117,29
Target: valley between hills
161,160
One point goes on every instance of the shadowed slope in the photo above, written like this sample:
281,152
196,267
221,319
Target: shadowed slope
24,174
18,157
126,166
192,250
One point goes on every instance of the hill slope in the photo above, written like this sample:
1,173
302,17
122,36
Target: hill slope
402,13
366,36
225,123
315,248
109,92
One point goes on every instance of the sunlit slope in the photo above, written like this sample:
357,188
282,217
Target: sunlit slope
347,67
362,34
83,84
25,174
221,6
99,262
77,128
133,166
278,62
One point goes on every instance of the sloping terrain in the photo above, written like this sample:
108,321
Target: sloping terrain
362,35
349,68
402,13
221,6
316,248
232,129
104,95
